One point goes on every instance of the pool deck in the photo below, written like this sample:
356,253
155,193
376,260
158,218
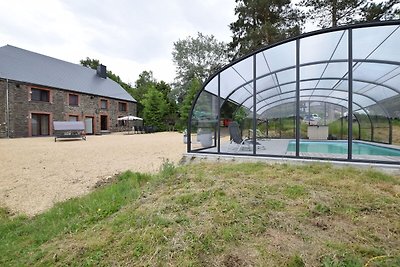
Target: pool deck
278,147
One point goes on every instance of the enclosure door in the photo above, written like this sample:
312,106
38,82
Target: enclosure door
89,125
40,124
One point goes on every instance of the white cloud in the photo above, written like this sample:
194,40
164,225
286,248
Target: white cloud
127,36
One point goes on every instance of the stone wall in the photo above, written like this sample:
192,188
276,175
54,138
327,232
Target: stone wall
21,108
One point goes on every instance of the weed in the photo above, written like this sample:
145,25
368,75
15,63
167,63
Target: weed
296,261
321,209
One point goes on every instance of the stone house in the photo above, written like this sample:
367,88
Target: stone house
36,90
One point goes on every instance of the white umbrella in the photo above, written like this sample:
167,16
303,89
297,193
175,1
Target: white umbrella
130,118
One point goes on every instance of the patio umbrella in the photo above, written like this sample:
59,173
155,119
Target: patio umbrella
130,118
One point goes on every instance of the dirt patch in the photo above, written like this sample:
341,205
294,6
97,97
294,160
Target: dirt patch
38,172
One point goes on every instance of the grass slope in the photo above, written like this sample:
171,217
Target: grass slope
218,215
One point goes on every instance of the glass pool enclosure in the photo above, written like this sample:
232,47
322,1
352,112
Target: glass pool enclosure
335,86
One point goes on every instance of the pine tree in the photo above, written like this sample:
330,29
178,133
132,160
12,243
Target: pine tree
263,22
154,109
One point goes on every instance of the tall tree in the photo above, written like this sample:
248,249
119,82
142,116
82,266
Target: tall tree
172,108
196,57
193,88
386,10
154,108
332,13
142,86
90,63
263,22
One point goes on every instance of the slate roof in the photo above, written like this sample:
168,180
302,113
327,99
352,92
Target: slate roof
26,66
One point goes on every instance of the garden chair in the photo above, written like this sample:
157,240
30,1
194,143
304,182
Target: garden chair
236,137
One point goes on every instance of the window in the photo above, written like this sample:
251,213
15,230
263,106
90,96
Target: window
103,104
73,100
122,106
40,95
73,118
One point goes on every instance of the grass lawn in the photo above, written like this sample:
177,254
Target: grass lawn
218,215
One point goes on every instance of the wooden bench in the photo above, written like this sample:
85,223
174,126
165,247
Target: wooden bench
69,129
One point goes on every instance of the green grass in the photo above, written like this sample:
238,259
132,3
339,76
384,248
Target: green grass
217,215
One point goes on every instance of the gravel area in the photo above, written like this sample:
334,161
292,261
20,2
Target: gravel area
38,172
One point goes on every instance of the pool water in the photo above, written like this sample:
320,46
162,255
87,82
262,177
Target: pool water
340,147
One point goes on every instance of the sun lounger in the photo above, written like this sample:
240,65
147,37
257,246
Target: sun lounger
69,129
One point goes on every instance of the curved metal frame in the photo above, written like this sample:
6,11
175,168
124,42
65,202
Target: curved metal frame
351,63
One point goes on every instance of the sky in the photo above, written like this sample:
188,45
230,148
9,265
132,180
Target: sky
128,36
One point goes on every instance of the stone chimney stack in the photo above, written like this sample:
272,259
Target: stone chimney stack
102,71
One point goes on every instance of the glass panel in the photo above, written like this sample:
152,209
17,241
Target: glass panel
323,47
392,80
35,125
204,123
39,95
327,83
308,85
241,95
276,118
336,70
267,82
377,43
311,72
103,104
372,71
378,93
363,119
276,58
40,124
73,100
44,125
276,127
212,87
288,88
236,76
287,76
323,129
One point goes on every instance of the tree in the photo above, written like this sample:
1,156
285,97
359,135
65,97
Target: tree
332,13
263,22
194,87
388,10
154,108
90,63
196,58
142,86
172,108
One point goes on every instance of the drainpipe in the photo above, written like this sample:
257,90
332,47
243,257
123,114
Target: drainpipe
7,112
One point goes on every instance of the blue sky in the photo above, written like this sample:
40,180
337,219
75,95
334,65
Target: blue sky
128,36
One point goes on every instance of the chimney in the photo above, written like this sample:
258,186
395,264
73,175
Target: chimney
102,71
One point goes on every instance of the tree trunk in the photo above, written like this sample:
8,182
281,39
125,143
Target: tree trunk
334,13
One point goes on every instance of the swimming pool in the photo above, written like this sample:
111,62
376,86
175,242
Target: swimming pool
340,147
